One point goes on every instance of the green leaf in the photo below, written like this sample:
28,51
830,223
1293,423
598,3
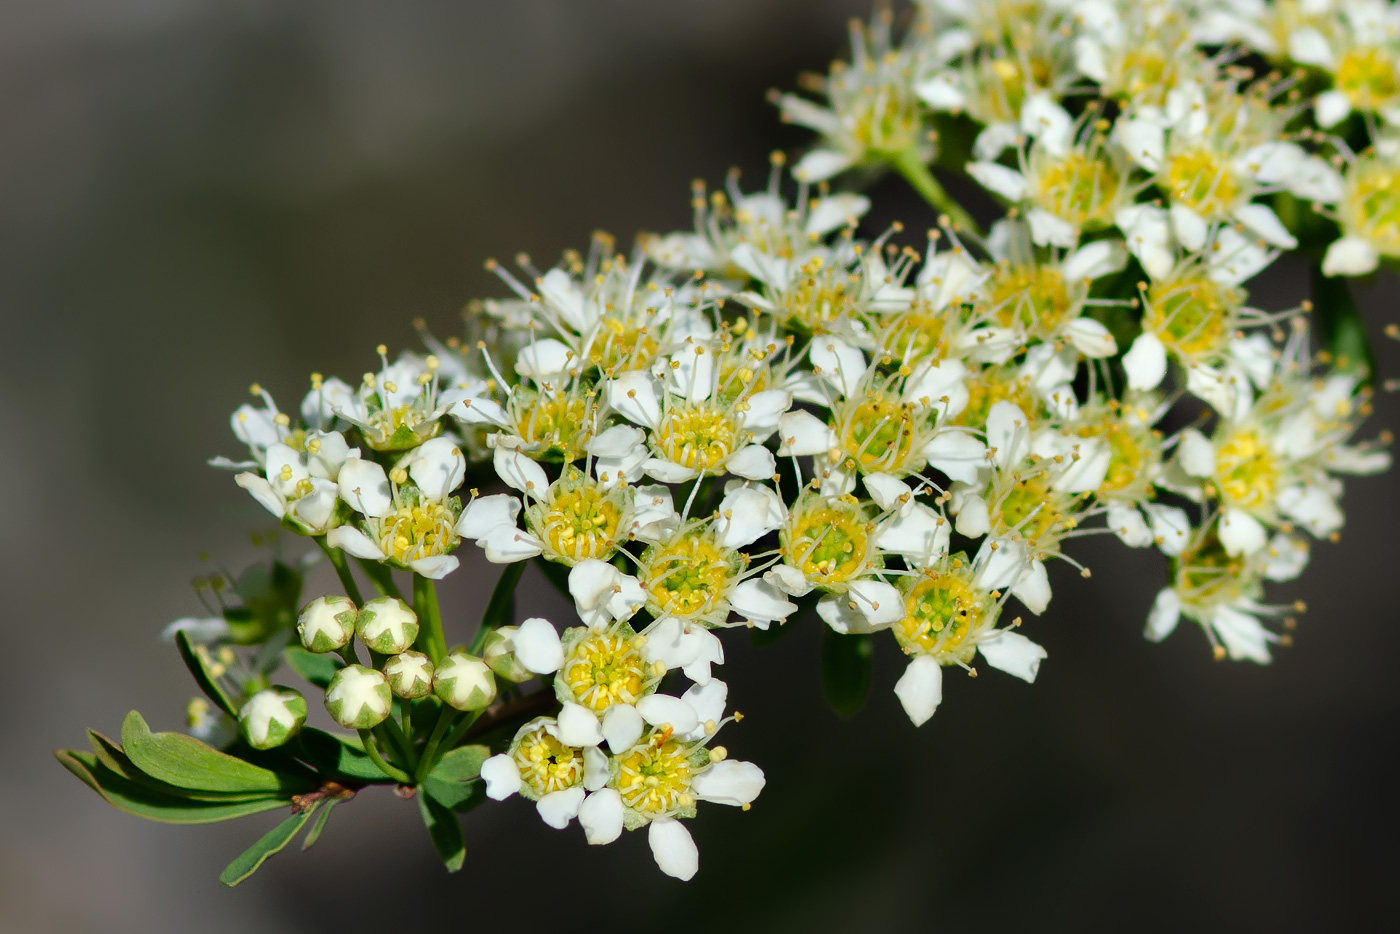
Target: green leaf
314,833
141,801
847,664
113,757
185,761
445,830
318,669
458,796
206,681
273,841
461,764
337,757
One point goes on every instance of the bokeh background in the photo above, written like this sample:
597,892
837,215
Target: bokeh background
195,195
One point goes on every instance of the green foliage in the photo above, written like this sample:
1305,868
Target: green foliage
272,842
199,670
317,669
185,762
445,831
143,801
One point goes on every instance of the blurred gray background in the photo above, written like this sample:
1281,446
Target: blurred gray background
197,195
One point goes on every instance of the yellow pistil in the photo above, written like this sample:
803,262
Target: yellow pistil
877,434
827,539
917,334
820,296
578,519
416,531
1370,207
1133,451
655,779
697,436
993,385
1367,76
1079,189
547,765
1202,180
939,613
1034,299
689,574
1191,313
1206,574
604,669
559,425
1247,471
1032,508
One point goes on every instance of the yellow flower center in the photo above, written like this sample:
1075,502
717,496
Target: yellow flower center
418,531
655,779
917,335
1371,205
580,520
1032,508
1032,298
399,428
1206,574
1131,452
827,540
1202,180
990,387
1143,73
560,425
621,346
884,118
1367,76
876,435
1078,189
939,612
546,764
1192,314
698,436
604,669
1246,470
688,575
820,296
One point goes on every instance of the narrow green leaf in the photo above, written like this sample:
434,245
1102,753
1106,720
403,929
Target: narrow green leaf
318,669
461,764
1340,328
847,664
445,830
185,761
314,833
335,757
113,757
126,795
202,677
458,796
272,842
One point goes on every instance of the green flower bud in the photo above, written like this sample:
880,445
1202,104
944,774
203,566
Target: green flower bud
358,698
463,681
327,624
271,717
499,655
410,674
387,626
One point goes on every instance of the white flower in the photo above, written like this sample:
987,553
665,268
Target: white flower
299,485
542,767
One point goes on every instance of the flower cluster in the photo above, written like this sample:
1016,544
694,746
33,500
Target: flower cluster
774,415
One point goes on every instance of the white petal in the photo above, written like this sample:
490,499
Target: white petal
1331,108
661,710
707,700
1171,528
262,492
559,807
844,615
506,544
1350,256
1047,122
537,646
821,164
920,688
1163,617
748,513
544,359
579,726
958,454
1243,635
673,848
788,579
354,543
435,567
520,472
1313,507
486,513
1008,434
1308,47
617,442
841,365
974,517
633,396
754,462
1129,525
1013,653
1095,260
1091,338
921,535
1148,234
1191,229
1033,590
994,140
880,602
1008,183
1262,220
622,727
760,602
1241,533
365,487
600,816
437,467
834,211
502,777
888,492
1143,140
1051,230
1146,362
730,781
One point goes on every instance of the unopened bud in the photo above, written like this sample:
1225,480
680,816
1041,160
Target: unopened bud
327,624
358,698
499,655
387,625
410,674
464,682
271,717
